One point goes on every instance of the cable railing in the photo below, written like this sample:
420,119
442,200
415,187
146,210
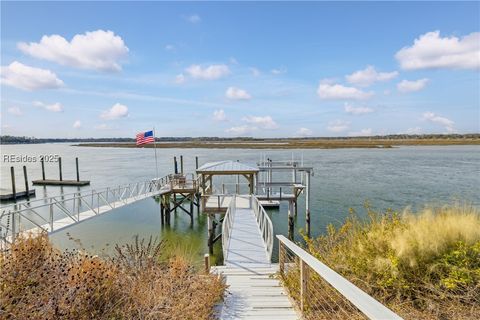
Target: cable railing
264,223
320,292
227,226
54,213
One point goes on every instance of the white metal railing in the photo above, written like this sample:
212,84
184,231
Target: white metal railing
264,223
320,292
41,214
227,225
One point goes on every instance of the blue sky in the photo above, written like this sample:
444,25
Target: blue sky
104,69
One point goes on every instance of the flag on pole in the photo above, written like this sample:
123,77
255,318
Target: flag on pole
145,137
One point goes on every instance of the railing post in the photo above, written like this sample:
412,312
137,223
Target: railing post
51,215
303,284
281,258
14,225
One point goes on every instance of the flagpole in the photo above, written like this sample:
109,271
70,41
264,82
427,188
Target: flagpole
155,148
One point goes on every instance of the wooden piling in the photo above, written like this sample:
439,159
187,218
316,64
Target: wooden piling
181,164
175,165
60,168
211,234
192,199
43,169
206,259
196,162
14,190
27,191
291,223
78,172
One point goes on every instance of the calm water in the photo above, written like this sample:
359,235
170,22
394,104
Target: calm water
343,179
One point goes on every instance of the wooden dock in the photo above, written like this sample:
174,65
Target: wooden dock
254,292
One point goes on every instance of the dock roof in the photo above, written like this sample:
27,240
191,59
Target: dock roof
227,167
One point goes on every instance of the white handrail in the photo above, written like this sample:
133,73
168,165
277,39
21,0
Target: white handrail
360,299
227,226
265,224
49,209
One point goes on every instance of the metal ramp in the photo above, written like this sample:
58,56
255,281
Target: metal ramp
253,292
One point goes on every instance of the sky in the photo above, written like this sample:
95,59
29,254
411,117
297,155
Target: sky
283,69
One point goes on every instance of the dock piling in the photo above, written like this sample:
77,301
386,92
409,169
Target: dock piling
27,191
181,164
60,168
14,190
196,162
175,165
43,169
78,172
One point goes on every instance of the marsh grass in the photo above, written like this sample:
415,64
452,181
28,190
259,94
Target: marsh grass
38,281
423,265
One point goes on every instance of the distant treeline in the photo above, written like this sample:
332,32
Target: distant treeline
29,140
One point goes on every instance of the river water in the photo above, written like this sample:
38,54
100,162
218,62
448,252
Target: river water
343,178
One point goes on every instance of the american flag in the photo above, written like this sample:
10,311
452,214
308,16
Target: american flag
145,137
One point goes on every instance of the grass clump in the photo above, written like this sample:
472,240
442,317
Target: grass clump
423,265
38,281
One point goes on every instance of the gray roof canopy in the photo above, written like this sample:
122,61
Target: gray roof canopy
227,167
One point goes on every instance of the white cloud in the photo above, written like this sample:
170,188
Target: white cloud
117,111
169,47
77,124
265,122
255,72
304,132
193,18
96,50
363,132
180,78
416,130
338,125
430,50
278,71
434,118
411,86
357,110
339,92
241,130
55,107
212,72
28,78
369,75
15,111
234,93
219,115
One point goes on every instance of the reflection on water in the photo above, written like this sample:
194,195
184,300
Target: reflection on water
344,178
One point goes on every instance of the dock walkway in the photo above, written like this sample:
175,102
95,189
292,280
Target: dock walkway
254,292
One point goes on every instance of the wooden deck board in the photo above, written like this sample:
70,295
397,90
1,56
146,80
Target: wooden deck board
253,292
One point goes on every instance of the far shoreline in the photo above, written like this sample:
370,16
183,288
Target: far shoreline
362,143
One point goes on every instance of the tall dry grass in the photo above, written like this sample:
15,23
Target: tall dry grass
38,281
424,265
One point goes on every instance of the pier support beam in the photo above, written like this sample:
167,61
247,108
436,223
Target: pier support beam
211,233
291,222
43,169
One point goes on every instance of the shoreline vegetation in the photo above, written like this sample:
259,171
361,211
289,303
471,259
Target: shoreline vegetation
38,281
387,141
422,265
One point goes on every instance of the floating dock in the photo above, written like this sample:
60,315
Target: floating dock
52,182
6,195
